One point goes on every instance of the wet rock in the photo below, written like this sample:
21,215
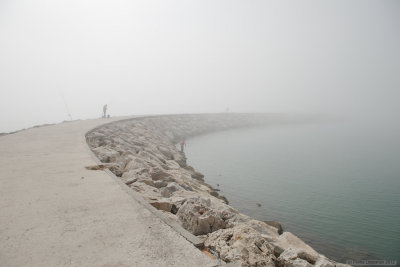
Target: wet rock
198,176
189,168
276,225
214,194
288,240
295,257
324,262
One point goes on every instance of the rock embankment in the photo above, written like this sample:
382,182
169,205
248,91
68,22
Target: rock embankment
143,153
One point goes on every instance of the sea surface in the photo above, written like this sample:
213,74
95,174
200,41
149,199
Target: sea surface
336,185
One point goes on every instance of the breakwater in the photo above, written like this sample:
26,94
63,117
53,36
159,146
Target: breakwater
143,153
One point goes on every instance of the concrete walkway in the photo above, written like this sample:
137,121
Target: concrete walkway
54,212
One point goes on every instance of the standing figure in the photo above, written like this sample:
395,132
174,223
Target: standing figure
183,144
105,111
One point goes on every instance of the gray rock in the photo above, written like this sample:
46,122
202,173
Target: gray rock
297,263
291,254
288,240
199,219
106,155
180,159
198,176
324,262
241,244
268,232
158,174
146,181
276,225
166,152
134,164
224,199
165,192
160,183
173,165
172,187
162,205
214,194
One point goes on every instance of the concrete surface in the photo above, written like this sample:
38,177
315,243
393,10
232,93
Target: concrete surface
54,212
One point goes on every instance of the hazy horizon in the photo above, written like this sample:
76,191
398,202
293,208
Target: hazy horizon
158,57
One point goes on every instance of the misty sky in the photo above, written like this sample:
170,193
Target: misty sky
143,57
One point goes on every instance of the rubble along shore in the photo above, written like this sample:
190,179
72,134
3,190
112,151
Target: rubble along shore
143,153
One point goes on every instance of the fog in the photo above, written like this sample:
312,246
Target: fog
151,57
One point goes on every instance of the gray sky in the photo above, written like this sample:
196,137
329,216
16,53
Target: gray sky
149,56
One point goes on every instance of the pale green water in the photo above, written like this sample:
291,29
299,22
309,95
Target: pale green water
335,185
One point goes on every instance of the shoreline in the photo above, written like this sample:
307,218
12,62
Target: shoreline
142,153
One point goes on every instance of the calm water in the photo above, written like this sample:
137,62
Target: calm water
335,185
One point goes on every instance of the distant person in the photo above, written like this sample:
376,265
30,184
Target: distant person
105,111
183,144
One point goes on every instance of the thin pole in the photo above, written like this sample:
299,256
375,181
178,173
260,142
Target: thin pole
66,106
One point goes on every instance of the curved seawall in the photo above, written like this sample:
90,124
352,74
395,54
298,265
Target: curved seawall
143,153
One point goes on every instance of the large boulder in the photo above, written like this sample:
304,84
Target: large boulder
267,231
241,244
288,240
199,219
